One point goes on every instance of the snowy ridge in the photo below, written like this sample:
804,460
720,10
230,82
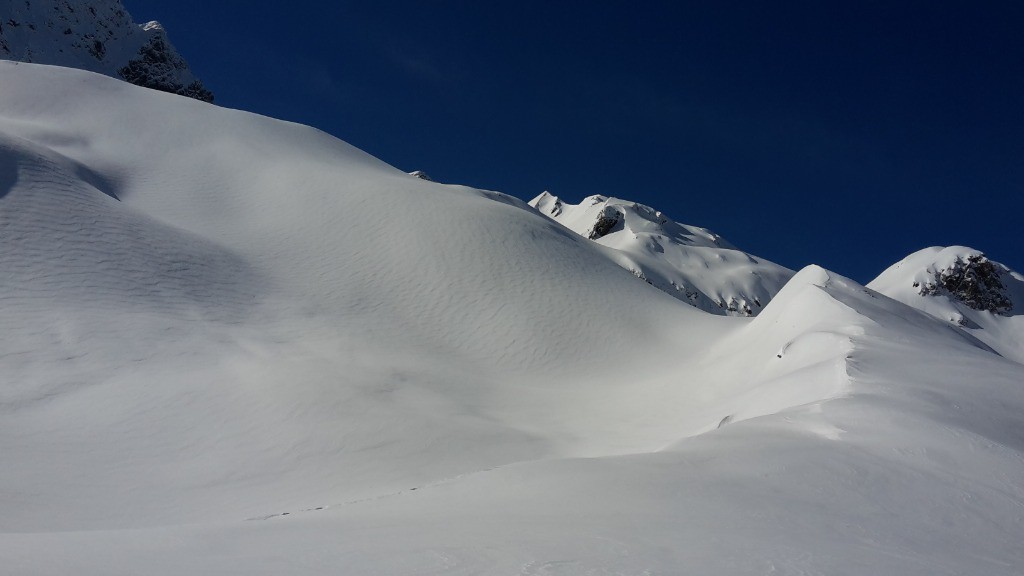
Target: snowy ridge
234,345
962,286
99,36
689,263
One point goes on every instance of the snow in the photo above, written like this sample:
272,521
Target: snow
690,263
234,345
95,35
1002,330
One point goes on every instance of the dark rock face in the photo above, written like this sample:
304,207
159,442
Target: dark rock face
99,36
157,67
556,208
605,223
976,281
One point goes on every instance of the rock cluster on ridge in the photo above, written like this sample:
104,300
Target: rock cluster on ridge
972,279
963,287
99,36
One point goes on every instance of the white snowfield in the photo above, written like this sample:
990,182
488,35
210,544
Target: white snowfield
690,263
234,345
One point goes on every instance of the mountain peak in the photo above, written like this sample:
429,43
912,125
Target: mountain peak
963,287
957,273
99,36
690,263
972,279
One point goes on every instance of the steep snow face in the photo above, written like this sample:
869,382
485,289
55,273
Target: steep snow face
692,264
99,36
962,286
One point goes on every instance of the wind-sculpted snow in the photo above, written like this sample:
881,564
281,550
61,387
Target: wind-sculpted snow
67,240
233,345
692,264
347,320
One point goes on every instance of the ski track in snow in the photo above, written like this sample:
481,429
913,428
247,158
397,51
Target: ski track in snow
374,498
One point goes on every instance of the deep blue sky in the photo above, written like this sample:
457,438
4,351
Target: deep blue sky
846,134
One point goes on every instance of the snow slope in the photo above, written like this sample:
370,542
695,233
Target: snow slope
962,286
279,285
692,264
95,35
234,345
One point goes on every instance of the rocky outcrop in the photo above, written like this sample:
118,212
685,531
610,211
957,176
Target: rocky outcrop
99,36
973,280
161,68
962,286
605,223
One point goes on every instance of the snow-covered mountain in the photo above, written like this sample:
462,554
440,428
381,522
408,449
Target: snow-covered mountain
690,263
233,345
962,286
95,35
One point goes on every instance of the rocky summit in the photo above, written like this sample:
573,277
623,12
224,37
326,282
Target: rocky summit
99,36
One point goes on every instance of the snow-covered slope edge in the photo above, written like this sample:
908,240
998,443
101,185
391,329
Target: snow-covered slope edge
233,345
99,36
689,263
961,286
